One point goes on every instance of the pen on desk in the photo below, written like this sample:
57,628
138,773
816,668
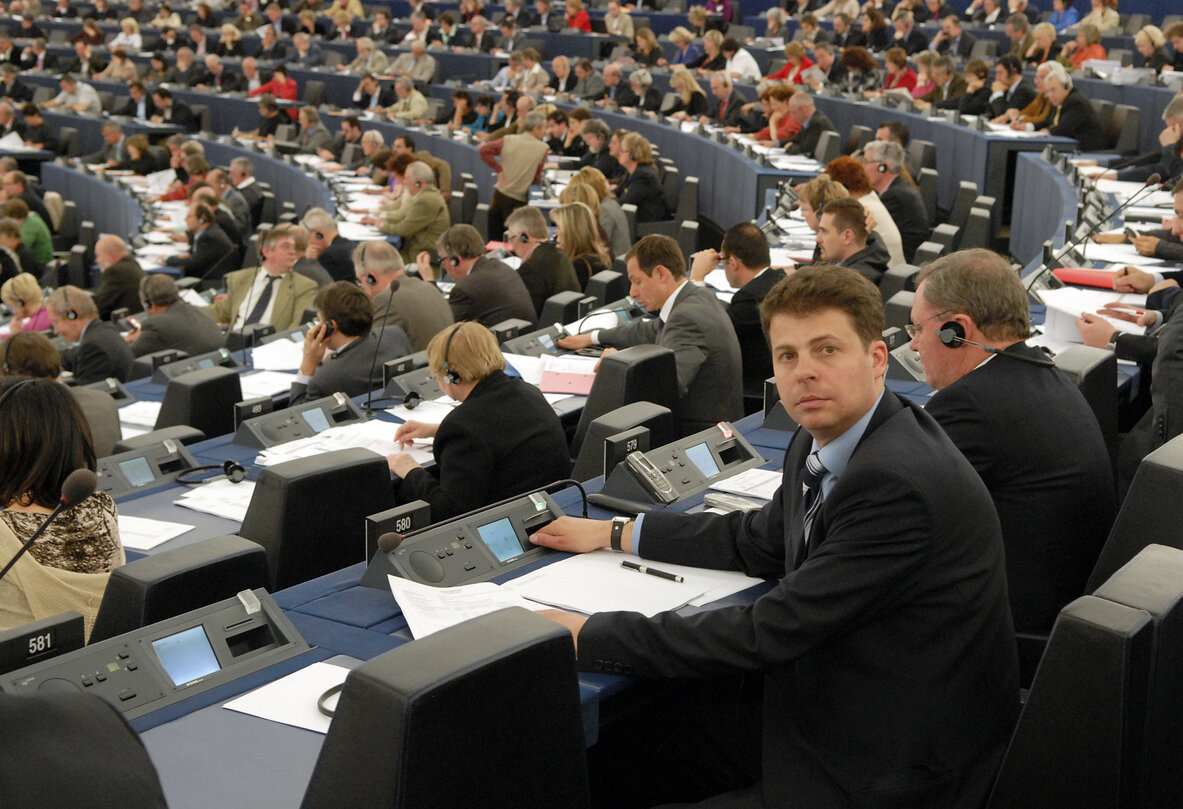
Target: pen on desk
661,574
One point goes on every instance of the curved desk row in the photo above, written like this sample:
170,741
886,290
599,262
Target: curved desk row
1044,200
106,204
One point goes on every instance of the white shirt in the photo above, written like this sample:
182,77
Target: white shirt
83,94
262,278
744,64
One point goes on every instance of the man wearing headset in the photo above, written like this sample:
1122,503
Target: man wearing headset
422,219
342,352
545,269
884,162
327,245
486,290
418,308
1022,424
171,322
100,351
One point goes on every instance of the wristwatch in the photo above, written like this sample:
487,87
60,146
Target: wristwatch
618,524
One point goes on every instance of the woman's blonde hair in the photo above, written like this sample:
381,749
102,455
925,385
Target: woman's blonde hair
684,83
581,192
593,177
579,233
466,349
130,22
21,289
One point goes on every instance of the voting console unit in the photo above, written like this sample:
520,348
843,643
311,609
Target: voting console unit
158,665
301,421
162,373
679,469
144,469
471,548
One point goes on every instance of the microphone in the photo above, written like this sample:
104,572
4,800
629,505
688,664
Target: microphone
389,541
1151,181
953,338
394,285
79,485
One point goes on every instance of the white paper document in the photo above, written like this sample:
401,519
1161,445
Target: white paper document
1120,254
424,412
280,355
761,483
529,367
291,700
221,498
265,383
141,414
1066,304
375,436
12,142
143,534
430,609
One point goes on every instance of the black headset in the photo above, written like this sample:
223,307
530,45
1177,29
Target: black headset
952,334
451,375
370,279
231,470
452,260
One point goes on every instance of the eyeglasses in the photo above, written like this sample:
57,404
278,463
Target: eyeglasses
914,328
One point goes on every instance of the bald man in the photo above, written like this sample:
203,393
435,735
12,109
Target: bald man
120,287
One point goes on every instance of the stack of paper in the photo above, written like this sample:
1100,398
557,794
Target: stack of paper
430,609
761,483
143,534
140,414
375,436
569,374
265,383
1066,304
432,412
292,700
220,498
280,355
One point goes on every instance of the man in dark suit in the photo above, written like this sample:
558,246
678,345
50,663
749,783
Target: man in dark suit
112,148
951,40
813,124
137,104
11,86
483,40
16,184
86,62
9,122
171,111
1011,91
270,48
218,78
846,35
370,94
211,251
122,274
691,321
842,239
342,353
545,17
745,257
100,352
327,245
402,300
486,290
1046,466
37,57
1072,114
728,107
278,22
171,322
907,36
889,618
884,163
828,62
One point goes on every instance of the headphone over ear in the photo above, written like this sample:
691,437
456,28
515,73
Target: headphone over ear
71,312
234,471
882,168
451,375
952,334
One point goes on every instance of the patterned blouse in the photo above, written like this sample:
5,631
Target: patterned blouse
84,538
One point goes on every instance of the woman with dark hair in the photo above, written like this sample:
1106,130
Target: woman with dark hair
138,160
1064,16
874,25
862,71
43,438
899,75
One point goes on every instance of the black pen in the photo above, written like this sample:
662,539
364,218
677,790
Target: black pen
661,574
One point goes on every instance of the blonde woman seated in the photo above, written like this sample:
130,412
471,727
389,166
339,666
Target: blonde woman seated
43,438
691,103
577,232
128,37
503,439
22,293
591,188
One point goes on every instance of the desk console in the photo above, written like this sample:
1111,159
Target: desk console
140,470
471,548
301,421
158,665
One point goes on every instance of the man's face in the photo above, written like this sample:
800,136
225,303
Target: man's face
352,133
11,187
719,89
112,134
192,223
940,362
400,147
268,37
940,75
950,27
274,14
826,378
824,58
582,72
368,146
831,239
800,111
594,142
649,290
611,78
1055,92
70,330
839,25
554,129
400,90
305,121
369,86
1014,34
281,255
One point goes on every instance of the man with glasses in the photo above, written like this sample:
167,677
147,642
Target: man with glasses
884,162
1022,424
270,293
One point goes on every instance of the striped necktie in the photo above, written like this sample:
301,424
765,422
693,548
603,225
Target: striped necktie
811,489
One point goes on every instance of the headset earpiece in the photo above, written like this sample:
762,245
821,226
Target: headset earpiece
882,168
451,375
952,334
232,470
371,280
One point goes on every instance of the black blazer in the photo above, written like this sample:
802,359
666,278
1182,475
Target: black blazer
887,649
179,113
491,293
965,44
276,53
120,288
1021,95
975,103
805,141
1076,119
907,210
181,326
643,189
744,312
870,262
101,353
733,115
914,42
337,259
354,371
504,439
1047,469
209,259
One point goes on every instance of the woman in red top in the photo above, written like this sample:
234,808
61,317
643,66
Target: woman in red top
280,85
1086,46
781,125
577,17
796,62
899,75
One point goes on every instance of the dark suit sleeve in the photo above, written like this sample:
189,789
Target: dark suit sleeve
465,463
149,341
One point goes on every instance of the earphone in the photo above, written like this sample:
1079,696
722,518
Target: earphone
232,470
952,335
882,168
370,280
71,312
451,375
452,260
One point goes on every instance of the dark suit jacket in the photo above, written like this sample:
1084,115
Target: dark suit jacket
386,98
744,311
805,141
126,106
488,41
546,272
231,82
17,91
888,654
1076,119
209,257
491,293
870,262
733,114
914,42
907,210
504,439
852,37
643,189
975,103
179,113
1021,95
180,326
965,44
936,94
49,63
337,259
101,353
276,53
353,371
706,351
120,287
1047,469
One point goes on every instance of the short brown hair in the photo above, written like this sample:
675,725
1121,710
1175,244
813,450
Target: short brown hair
656,249
348,306
15,208
30,353
819,287
848,214
981,284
